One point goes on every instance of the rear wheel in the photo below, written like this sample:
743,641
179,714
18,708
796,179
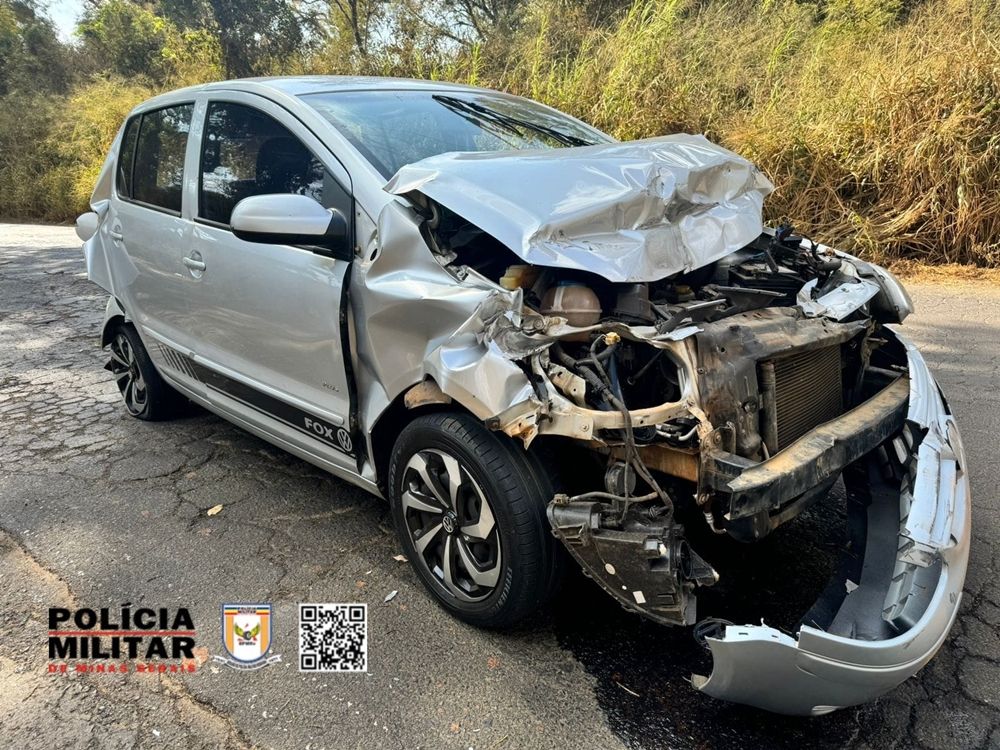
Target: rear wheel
146,395
469,509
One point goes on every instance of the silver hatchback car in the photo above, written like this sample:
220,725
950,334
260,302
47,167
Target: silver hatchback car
541,346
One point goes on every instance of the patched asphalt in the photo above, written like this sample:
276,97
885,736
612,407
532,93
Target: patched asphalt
98,509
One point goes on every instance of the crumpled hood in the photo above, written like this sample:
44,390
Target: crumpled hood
630,212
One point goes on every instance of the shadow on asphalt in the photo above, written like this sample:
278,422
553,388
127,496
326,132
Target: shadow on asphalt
777,579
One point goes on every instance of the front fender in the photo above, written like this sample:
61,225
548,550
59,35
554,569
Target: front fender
113,315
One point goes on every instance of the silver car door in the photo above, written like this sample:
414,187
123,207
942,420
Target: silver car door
269,317
148,233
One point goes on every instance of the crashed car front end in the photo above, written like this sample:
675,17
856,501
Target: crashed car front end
890,607
892,600
623,308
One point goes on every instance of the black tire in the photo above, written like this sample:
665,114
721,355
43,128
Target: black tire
530,562
145,394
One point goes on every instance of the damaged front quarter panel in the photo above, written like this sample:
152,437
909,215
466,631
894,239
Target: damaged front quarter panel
420,324
468,338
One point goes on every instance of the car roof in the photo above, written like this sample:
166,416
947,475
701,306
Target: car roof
298,85
290,87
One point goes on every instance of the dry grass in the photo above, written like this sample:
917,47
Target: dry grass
57,148
881,129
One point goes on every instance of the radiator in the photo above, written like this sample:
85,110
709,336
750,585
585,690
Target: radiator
799,392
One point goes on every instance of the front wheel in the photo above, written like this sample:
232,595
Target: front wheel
146,395
469,509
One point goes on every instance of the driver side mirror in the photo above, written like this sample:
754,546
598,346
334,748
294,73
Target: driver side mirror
288,219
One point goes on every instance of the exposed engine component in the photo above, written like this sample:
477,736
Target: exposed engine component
619,479
752,372
642,560
519,276
777,264
575,302
633,305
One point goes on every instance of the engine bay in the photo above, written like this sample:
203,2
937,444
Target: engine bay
698,398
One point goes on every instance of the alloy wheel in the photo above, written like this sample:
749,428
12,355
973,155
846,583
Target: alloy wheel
128,376
451,524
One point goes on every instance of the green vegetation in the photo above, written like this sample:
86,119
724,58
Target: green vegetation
878,120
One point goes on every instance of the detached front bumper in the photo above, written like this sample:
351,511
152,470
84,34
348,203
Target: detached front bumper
893,608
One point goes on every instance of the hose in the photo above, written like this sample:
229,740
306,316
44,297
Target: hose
610,496
599,379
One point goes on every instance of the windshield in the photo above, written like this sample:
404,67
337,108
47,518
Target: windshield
393,128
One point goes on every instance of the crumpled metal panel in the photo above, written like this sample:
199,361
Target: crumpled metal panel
819,671
838,303
103,186
419,322
113,271
928,526
893,302
630,212
101,266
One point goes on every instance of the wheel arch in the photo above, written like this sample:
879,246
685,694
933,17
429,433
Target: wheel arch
425,397
114,315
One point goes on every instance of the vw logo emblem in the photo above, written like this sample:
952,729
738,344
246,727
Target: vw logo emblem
344,440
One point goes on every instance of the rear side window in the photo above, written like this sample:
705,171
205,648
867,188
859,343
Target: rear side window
126,157
155,174
246,152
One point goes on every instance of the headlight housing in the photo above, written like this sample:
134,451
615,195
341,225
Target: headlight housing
893,302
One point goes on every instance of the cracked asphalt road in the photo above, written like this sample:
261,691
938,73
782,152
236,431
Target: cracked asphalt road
98,509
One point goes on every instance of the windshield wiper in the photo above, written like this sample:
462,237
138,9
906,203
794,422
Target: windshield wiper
485,120
509,122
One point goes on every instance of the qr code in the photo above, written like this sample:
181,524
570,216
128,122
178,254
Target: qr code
333,637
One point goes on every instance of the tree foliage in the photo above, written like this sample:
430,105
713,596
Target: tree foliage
31,55
256,37
129,40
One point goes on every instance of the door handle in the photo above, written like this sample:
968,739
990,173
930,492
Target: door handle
115,235
194,265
